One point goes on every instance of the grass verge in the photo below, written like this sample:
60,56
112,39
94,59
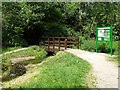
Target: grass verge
9,49
114,59
63,70
36,51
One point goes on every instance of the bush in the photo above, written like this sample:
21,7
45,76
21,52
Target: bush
103,47
88,45
116,48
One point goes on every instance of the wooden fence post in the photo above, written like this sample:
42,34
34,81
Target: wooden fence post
65,43
59,43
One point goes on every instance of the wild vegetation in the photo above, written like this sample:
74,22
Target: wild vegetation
7,68
25,23
63,70
8,49
103,47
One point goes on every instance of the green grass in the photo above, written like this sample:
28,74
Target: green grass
63,70
36,51
9,49
114,58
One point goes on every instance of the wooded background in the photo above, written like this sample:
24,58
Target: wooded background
25,23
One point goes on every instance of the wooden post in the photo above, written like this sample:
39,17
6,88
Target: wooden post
65,43
59,43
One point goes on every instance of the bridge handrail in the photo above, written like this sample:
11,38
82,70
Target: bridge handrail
60,42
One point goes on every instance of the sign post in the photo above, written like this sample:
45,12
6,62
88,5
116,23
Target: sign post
104,34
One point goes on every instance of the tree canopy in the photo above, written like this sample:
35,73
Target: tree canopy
26,22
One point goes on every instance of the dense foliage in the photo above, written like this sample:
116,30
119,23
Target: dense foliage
26,22
103,47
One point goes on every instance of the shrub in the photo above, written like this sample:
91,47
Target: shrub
116,47
88,45
103,47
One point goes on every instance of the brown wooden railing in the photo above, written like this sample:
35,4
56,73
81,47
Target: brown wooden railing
59,43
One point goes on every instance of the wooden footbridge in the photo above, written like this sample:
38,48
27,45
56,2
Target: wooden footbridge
53,44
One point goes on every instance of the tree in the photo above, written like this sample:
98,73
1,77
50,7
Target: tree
29,21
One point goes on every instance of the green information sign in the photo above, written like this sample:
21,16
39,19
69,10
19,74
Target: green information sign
104,34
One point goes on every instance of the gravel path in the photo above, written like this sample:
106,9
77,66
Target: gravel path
106,72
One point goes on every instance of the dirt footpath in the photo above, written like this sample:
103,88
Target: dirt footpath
106,72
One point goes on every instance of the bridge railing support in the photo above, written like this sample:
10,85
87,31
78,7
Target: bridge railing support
65,43
60,43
